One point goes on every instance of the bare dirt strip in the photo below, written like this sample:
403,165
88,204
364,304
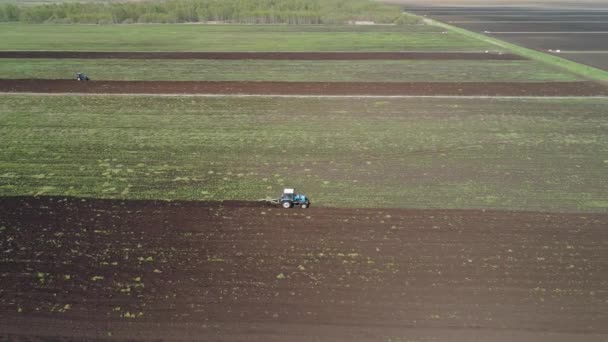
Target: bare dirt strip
87,269
583,88
265,55
545,27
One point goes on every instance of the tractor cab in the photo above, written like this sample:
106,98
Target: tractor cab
291,199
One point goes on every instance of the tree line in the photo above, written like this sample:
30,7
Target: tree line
188,11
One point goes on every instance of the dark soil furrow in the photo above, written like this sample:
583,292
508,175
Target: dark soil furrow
87,269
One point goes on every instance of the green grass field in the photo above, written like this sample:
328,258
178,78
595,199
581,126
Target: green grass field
295,71
532,154
235,38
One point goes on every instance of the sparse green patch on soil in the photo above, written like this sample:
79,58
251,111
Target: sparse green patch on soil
376,152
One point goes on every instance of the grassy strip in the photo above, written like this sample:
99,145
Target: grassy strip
294,71
574,67
533,154
233,38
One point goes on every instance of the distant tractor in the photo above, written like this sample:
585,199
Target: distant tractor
290,199
81,77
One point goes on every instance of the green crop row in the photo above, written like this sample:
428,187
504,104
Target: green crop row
294,71
233,38
531,154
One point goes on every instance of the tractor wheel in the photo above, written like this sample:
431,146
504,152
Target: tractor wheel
304,206
286,205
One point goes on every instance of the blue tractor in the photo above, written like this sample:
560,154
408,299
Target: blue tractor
291,199
82,77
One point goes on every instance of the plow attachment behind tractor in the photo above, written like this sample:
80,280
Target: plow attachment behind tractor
270,201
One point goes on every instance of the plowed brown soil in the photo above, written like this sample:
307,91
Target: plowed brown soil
263,55
308,88
144,270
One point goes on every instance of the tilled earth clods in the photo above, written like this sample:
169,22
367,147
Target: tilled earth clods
87,268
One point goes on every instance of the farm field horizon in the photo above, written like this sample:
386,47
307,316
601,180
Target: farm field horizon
458,184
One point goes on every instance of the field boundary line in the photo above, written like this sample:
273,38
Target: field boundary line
309,96
586,71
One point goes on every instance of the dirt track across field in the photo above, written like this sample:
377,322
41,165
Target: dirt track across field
81,269
308,88
265,55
